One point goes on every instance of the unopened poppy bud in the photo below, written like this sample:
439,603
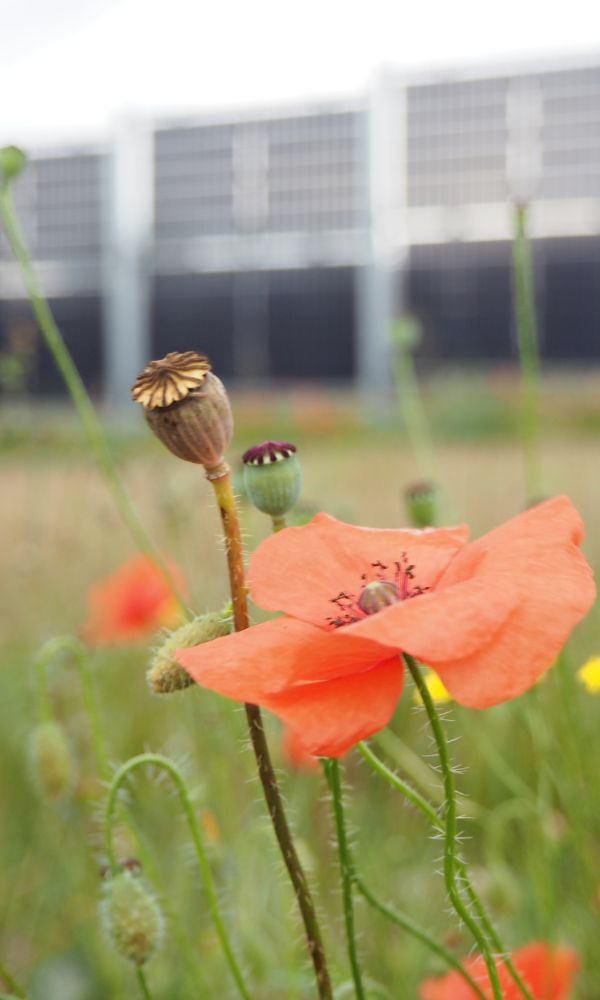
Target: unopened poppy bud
421,504
131,917
12,161
166,675
377,595
273,477
188,409
51,761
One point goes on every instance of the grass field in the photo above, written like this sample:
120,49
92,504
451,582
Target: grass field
530,766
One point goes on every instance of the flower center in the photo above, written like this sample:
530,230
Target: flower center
377,595
377,591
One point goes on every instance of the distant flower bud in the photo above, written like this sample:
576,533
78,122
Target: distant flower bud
421,504
273,477
166,675
12,161
52,762
131,917
188,409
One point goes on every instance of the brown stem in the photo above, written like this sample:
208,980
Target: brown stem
235,563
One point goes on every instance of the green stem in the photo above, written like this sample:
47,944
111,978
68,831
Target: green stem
430,812
405,336
450,858
11,982
69,644
141,978
417,932
279,522
528,342
158,760
332,773
79,395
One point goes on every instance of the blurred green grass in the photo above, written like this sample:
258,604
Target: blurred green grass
531,765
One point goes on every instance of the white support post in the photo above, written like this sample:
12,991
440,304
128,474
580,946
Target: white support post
126,278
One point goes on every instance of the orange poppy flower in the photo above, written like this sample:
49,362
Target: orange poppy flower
131,604
489,618
548,972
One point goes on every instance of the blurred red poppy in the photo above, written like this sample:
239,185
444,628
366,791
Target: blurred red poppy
132,603
548,972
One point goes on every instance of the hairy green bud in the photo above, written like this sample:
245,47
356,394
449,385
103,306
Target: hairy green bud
422,504
166,675
52,761
131,917
273,477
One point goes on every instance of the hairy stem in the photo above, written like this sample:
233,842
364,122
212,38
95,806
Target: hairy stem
450,853
235,562
332,773
79,395
141,978
417,932
430,812
158,760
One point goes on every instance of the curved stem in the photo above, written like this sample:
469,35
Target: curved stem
417,932
332,773
11,982
158,760
143,983
79,394
235,562
450,858
430,812
69,644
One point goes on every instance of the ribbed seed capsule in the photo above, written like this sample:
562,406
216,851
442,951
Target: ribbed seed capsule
131,917
272,476
188,409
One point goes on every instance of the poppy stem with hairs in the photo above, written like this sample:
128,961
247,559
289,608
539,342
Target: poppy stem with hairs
451,862
235,562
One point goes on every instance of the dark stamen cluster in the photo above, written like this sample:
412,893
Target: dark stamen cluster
349,605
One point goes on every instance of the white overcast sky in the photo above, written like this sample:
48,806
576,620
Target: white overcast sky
68,67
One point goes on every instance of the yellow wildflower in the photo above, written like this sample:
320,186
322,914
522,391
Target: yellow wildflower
436,690
589,675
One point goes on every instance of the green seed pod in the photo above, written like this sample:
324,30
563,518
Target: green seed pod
421,504
188,409
273,477
131,917
12,161
52,762
166,675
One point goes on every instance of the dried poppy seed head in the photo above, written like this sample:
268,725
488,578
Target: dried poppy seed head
187,407
272,476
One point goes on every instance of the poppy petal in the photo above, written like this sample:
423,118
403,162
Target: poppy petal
555,589
555,519
269,658
548,972
458,620
327,719
302,570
